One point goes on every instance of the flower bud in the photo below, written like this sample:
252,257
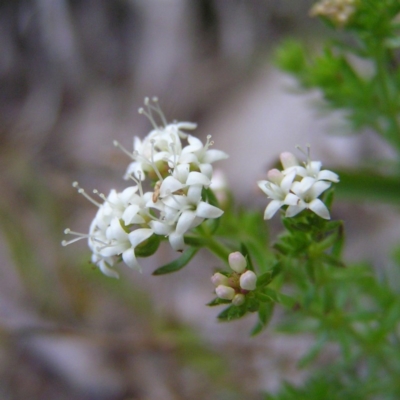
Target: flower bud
248,280
219,279
288,160
237,262
275,176
238,300
225,292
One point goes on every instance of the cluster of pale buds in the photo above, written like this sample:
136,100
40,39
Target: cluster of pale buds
297,187
338,11
236,284
131,223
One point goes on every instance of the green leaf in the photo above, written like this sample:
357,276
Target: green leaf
177,264
281,298
314,351
211,198
367,185
264,279
217,302
148,247
245,252
265,312
232,312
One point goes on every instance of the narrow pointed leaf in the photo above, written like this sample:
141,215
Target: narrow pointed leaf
177,264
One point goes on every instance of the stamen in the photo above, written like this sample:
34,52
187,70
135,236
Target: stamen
138,182
84,194
209,142
102,196
148,113
306,153
158,110
153,164
172,146
117,144
78,234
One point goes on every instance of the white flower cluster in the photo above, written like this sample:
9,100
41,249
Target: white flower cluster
338,11
130,223
235,286
297,187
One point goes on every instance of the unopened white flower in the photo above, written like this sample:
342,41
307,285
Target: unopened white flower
307,192
225,292
248,280
237,262
219,185
288,160
278,189
239,299
219,279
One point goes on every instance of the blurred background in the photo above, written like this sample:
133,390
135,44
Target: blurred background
72,75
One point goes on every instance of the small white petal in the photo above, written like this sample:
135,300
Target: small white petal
107,270
287,181
272,208
319,208
318,188
130,213
170,185
186,125
205,210
214,155
139,235
294,210
197,178
194,194
130,259
304,185
176,241
327,175
160,228
185,221
291,199
207,170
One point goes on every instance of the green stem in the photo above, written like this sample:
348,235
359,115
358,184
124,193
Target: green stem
217,248
391,134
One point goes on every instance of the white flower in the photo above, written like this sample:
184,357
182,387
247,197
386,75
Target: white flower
307,192
248,280
311,168
339,11
237,262
278,189
111,232
122,243
200,155
185,212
